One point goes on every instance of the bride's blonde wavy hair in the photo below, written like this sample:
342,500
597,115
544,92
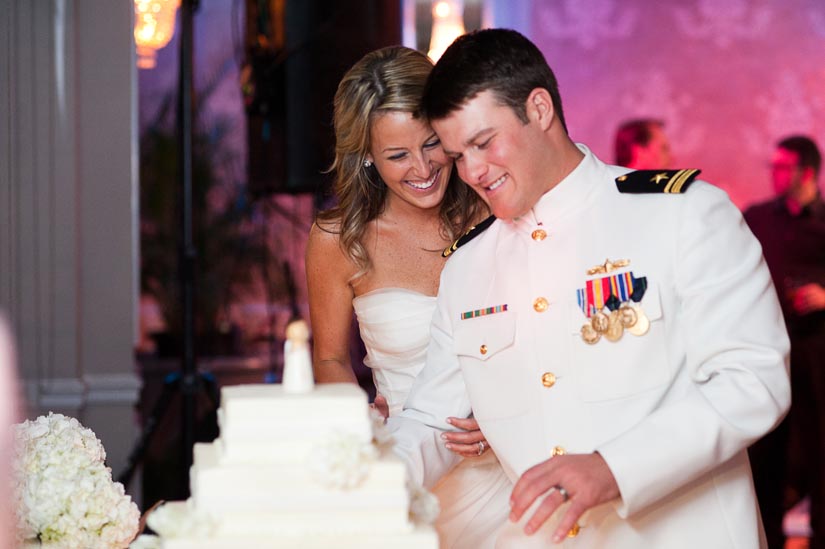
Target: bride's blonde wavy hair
389,79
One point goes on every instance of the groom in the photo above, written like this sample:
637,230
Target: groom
616,334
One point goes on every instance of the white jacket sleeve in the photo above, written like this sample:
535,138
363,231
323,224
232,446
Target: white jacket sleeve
736,359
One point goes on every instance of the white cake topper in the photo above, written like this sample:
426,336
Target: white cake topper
297,361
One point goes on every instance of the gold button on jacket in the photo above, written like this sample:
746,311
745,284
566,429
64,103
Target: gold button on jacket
548,379
540,304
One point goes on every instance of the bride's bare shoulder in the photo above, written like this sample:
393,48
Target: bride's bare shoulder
325,228
324,252
324,238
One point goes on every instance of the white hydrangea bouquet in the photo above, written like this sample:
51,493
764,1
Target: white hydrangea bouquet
64,494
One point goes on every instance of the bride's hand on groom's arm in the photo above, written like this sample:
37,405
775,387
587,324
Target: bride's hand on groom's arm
381,405
468,442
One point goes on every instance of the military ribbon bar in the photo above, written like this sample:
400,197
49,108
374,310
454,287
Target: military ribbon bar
484,312
598,292
621,286
639,288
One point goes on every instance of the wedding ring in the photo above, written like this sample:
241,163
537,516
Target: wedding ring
480,447
565,496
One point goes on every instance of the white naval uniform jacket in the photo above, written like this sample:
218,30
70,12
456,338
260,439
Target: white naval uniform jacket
672,412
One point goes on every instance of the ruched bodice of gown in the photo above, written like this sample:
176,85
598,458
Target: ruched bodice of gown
395,328
474,496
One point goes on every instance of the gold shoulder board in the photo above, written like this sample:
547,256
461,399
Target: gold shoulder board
656,181
471,233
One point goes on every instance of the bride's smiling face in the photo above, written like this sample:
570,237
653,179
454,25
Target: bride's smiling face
408,156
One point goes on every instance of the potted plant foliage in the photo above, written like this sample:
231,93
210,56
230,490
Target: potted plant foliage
234,256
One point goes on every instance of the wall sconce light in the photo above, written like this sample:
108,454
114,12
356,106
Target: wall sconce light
448,24
154,27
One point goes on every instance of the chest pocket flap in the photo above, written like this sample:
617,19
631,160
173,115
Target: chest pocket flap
485,336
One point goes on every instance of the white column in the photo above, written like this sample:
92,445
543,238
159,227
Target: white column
68,208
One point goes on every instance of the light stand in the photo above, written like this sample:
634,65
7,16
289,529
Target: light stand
188,253
188,382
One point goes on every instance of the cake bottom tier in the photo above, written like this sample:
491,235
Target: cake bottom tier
424,538
265,531
268,498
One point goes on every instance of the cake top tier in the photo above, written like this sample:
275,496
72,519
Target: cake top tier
266,410
256,393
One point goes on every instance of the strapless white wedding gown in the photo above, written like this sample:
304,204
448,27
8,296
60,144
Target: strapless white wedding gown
474,496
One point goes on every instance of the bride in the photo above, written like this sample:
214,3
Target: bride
378,253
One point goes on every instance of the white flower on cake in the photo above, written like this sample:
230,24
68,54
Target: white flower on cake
63,490
175,521
380,434
146,541
424,506
171,521
343,460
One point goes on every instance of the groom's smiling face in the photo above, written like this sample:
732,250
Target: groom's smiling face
495,153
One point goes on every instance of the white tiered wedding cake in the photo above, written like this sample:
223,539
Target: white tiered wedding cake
296,465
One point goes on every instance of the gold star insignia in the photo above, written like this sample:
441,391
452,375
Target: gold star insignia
659,177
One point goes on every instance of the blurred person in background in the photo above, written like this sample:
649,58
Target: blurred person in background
642,144
791,229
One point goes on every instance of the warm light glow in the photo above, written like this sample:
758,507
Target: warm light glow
448,24
154,27
441,10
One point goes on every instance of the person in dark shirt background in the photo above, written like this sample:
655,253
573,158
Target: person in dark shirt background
791,229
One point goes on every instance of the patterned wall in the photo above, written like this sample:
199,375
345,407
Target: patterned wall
728,77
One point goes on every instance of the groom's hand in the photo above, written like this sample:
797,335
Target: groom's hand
584,480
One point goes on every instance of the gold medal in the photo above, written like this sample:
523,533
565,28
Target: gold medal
600,322
628,315
642,323
614,327
590,335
